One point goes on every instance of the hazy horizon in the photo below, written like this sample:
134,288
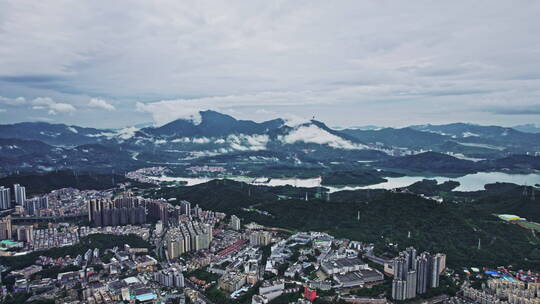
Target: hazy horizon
290,120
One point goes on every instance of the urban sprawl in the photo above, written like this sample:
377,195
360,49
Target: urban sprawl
201,256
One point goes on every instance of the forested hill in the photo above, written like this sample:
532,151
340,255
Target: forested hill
45,182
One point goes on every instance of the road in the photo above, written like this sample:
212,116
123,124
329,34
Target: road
375,259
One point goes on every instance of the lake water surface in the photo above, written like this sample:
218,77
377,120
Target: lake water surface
469,182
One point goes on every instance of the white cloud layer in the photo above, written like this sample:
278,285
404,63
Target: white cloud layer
100,104
40,103
316,135
348,62
233,142
53,107
243,142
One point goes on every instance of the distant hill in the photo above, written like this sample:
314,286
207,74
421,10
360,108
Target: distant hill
495,137
222,139
44,183
13,147
405,137
34,156
432,162
468,139
527,128
515,162
52,134
430,187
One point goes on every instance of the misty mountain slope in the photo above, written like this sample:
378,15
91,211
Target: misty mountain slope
53,134
431,162
494,137
470,140
33,155
219,134
316,132
405,137
527,128
12,147
220,138
28,154
470,150
434,162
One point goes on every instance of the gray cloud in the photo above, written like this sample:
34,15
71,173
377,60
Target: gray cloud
12,101
347,62
516,110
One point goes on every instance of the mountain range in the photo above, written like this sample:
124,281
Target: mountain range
220,138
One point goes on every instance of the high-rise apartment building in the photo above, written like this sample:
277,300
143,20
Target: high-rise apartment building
123,211
25,234
435,264
415,274
422,270
20,194
5,228
185,208
33,205
235,222
260,238
398,289
170,278
5,198
410,286
188,236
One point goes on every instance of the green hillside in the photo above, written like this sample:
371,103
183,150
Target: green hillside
385,217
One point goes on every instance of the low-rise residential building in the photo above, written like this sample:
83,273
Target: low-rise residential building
342,265
272,289
232,281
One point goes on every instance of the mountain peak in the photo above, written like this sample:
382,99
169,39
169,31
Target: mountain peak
213,124
210,115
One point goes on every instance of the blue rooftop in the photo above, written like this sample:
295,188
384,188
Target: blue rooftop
146,297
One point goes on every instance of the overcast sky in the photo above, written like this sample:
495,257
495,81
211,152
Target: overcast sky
391,63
